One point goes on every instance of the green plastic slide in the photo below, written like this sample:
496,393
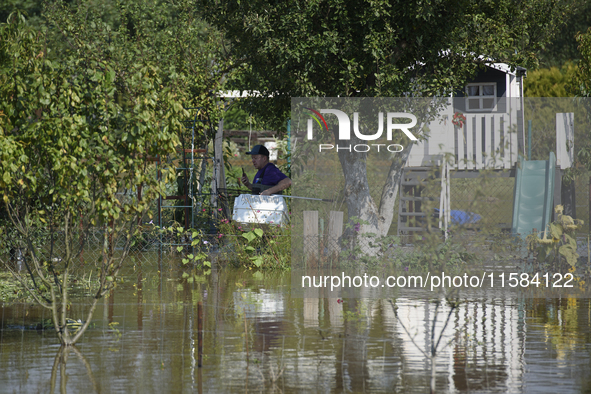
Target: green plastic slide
533,195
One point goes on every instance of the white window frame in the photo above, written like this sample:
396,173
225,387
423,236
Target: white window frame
481,97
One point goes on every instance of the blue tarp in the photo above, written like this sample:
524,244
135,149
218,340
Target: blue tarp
462,217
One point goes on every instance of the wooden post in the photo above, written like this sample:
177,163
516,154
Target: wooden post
219,173
246,337
139,199
557,190
188,212
565,140
311,236
565,149
140,296
335,230
199,334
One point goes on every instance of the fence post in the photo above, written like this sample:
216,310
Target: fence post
557,190
565,147
335,230
219,181
565,140
311,236
200,334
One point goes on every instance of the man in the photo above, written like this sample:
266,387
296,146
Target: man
269,179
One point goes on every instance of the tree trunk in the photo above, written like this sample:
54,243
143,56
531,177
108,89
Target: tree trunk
360,204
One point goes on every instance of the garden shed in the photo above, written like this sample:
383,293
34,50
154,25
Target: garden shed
486,127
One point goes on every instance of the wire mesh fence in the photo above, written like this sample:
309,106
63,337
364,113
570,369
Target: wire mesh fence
489,197
582,185
482,209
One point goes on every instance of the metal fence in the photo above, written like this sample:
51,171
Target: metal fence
491,198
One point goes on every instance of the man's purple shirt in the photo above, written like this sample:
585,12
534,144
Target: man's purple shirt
272,175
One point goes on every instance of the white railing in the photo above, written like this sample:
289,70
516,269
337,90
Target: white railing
483,141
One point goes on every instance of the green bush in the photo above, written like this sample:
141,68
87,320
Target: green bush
255,246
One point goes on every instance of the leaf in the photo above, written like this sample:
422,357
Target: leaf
185,275
250,236
257,261
555,230
179,248
259,232
200,279
258,275
569,254
110,76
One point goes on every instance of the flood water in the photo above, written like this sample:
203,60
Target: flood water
257,338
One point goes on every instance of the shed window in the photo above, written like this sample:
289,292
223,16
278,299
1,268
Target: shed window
481,96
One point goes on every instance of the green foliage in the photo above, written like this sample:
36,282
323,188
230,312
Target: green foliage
265,248
75,131
354,48
582,87
237,117
81,108
558,241
430,253
563,46
30,8
254,248
12,291
583,77
552,82
201,253
439,255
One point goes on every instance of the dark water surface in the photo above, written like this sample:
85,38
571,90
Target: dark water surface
256,338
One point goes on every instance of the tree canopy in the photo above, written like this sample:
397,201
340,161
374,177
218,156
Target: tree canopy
582,87
382,48
583,77
551,82
352,48
564,47
83,106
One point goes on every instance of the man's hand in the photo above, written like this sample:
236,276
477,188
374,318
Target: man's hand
245,181
266,192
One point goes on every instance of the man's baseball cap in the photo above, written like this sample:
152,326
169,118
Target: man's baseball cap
259,150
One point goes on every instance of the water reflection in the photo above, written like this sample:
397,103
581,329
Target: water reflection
257,338
60,366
